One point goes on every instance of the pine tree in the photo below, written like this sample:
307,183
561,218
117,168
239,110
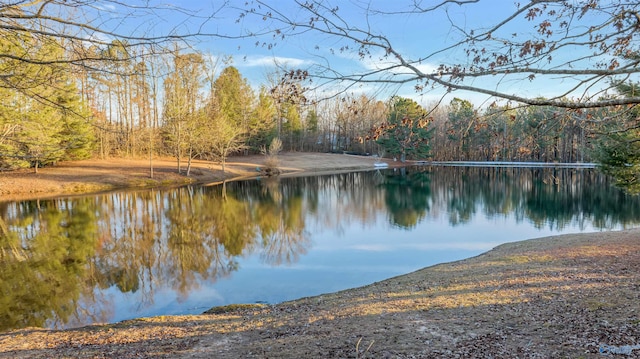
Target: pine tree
405,133
43,119
618,151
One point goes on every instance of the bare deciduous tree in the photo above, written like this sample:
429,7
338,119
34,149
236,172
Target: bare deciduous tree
81,27
588,44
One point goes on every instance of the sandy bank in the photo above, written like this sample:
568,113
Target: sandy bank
100,175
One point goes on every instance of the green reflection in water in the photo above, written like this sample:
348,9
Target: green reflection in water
407,196
44,262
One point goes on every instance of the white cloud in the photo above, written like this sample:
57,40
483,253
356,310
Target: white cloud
375,63
273,61
390,65
105,7
438,245
337,88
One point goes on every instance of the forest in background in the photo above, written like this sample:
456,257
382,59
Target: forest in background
183,106
131,99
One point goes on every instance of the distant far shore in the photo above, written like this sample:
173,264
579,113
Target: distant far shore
511,164
96,175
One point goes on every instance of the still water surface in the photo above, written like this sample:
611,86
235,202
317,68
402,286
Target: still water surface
105,258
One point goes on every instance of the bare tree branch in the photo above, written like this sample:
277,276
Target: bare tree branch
80,25
589,44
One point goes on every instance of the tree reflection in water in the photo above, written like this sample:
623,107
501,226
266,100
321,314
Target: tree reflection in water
407,196
62,259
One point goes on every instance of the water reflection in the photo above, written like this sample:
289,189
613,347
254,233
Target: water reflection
407,196
73,261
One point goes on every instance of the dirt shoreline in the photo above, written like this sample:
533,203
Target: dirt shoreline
91,176
570,296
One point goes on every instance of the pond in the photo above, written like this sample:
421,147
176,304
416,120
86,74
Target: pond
74,261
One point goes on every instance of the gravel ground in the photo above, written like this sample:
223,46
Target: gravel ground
571,296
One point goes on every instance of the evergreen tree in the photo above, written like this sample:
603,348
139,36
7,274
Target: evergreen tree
461,117
618,151
228,113
234,97
262,122
405,133
43,119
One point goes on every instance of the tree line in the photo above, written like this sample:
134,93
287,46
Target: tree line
183,105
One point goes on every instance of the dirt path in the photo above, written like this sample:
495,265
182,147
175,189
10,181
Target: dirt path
569,296
100,175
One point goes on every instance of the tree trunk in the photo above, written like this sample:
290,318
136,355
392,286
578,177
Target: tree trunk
189,162
224,189
179,146
151,153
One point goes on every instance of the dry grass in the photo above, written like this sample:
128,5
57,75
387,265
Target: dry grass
271,160
101,175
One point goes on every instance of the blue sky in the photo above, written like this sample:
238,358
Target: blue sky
413,35
410,35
